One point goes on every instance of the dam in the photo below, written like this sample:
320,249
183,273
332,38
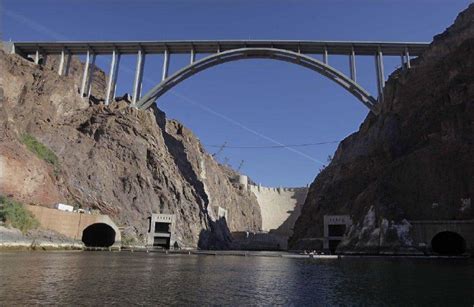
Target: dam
280,207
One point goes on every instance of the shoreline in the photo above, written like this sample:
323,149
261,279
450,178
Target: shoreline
48,247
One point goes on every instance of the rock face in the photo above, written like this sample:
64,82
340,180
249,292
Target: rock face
413,161
124,162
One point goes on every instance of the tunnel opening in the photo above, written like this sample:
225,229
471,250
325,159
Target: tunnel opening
98,235
448,243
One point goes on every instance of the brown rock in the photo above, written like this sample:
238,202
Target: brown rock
418,151
121,161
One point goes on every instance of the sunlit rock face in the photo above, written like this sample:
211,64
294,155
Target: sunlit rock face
123,162
413,161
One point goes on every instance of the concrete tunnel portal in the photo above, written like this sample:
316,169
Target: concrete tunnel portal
98,235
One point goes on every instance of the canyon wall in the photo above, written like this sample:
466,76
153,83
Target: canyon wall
120,161
413,161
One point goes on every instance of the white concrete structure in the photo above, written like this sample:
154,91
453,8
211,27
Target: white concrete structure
335,227
64,207
243,180
161,230
280,207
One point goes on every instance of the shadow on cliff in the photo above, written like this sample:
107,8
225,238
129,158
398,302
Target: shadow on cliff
217,237
178,151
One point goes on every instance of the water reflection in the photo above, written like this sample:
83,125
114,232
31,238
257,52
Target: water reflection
94,278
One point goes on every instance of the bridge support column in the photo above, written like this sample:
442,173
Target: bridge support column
380,74
407,58
68,63
85,73
37,57
326,56
166,60
61,63
137,84
402,60
352,64
193,56
91,76
112,82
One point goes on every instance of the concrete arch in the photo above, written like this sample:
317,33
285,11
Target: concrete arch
252,53
98,235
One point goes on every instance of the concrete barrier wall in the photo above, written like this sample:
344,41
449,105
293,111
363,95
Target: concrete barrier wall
70,224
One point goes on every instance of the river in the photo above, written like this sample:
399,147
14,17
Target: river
125,278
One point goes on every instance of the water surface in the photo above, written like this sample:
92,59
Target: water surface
124,278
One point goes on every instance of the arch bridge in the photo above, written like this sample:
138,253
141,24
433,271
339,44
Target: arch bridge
303,53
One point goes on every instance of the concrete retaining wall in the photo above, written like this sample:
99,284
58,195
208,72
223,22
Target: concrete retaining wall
71,224
423,232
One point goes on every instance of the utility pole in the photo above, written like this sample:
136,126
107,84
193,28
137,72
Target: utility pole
220,149
240,165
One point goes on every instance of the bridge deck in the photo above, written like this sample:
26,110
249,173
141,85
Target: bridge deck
212,46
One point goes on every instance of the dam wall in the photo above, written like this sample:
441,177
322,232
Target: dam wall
280,208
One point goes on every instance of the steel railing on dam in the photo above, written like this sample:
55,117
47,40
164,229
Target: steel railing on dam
300,52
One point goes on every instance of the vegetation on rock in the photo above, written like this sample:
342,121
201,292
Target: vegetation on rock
40,150
14,213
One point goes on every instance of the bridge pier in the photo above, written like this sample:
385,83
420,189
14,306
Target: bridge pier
137,84
91,76
352,64
193,56
112,82
402,60
407,58
61,63
380,74
166,58
68,63
85,73
325,56
37,57
64,63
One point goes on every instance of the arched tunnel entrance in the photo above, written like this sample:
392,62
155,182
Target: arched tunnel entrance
448,243
98,235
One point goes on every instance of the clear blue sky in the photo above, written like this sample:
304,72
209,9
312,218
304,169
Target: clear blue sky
245,102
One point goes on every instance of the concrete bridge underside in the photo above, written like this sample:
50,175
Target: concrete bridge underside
263,53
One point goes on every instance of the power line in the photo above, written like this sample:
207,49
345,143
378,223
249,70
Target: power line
221,148
276,146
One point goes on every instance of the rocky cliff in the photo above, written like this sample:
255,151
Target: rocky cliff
413,161
118,160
